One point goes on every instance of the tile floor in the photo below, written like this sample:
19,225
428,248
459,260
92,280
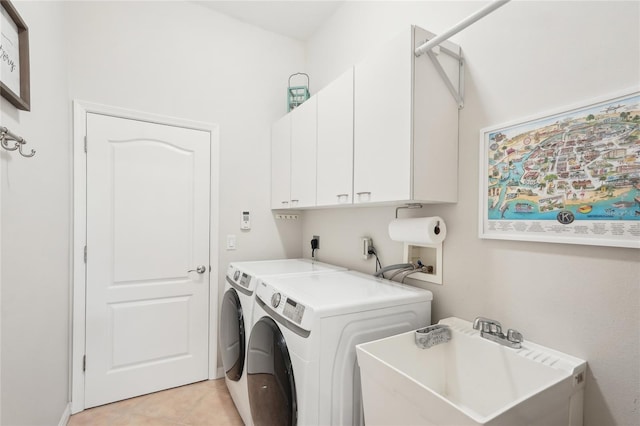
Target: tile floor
205,403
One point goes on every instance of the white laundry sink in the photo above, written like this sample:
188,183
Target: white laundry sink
468,380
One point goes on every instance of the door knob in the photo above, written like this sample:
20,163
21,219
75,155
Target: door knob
200,269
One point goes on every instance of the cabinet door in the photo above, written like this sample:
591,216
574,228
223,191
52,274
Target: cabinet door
335,142
281,163
303,154
382,123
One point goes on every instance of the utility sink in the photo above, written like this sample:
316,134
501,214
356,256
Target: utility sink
468,380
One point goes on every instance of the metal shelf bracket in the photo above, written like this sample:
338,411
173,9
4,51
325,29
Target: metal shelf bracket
433,47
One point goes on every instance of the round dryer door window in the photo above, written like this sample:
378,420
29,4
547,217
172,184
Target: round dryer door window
232,335
270,381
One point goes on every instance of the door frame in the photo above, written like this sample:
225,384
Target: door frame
79,234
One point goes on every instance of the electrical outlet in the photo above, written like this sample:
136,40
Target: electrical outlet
317,238
366,244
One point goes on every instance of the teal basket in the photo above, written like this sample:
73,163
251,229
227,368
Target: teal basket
296,95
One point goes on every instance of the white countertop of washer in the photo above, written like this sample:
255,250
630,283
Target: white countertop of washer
340,292
283,266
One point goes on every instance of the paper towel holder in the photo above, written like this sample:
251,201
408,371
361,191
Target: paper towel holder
423,238
408,206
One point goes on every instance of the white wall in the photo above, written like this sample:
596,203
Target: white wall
525,58
181,59
35,234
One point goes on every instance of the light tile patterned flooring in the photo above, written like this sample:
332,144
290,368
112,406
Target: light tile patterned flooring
205,403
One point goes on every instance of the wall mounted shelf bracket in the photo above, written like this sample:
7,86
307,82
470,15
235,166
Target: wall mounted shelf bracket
433,47
456,92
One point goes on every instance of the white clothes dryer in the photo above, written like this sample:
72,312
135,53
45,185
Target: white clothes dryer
301,361
236,317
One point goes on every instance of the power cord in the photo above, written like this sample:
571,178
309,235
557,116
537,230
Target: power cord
314,247
372,250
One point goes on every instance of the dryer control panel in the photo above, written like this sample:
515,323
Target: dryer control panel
293,310
283,305
241,278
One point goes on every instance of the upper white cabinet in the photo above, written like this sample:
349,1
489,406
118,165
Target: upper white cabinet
335,142
405,124
281,163
384,132
303,154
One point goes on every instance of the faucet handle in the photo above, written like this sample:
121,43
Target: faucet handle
487,325
492,327
514,336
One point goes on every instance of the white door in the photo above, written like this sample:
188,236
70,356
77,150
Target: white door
303,154
382,123
148,201
281,163
335,142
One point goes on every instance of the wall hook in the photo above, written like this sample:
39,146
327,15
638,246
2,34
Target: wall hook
6,136
33,151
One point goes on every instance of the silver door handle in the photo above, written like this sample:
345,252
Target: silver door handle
200,269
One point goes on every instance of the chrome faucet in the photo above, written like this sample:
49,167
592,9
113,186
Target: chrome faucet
492,330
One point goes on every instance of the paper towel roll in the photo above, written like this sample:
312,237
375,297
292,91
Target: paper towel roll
419,230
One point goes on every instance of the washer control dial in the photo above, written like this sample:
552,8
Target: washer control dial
275,300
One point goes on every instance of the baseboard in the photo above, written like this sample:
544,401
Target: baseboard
65,415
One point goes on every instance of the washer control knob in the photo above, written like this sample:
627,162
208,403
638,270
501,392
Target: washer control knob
236,275
275,300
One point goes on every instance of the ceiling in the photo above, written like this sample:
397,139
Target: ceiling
297,19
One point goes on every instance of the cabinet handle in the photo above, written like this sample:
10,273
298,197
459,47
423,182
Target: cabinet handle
294,201
364,196
285,202
342,198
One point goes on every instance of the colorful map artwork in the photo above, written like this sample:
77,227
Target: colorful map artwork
586,161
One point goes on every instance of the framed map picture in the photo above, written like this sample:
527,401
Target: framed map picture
571,176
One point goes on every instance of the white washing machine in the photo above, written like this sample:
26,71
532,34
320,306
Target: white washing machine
236,317
301,361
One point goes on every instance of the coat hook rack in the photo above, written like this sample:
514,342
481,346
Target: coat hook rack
7,136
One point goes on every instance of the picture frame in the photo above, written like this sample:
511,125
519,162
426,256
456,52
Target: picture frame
566,176
14,57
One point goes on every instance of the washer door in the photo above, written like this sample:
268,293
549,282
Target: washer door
232,335
270,381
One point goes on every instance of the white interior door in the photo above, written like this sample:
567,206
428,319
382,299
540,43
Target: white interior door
147,307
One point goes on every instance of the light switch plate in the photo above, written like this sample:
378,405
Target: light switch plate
231,242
